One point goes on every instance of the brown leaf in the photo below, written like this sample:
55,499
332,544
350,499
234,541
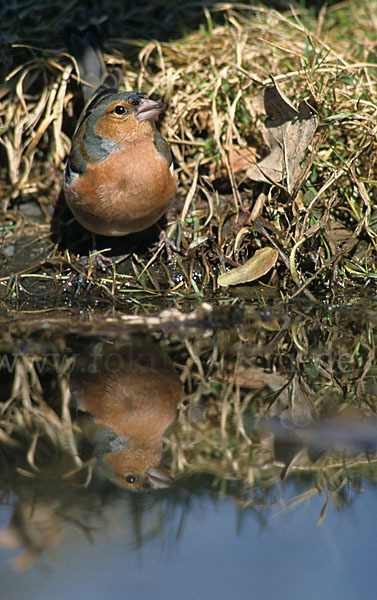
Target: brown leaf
336,234
240,159
288,133
258,206
300,403
254,268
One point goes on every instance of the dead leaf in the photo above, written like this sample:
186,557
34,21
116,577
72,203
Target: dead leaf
256,377
288,133
254,268
258,206
301,400
240,159
336,234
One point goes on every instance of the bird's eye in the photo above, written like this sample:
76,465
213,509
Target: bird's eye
130,479
119,110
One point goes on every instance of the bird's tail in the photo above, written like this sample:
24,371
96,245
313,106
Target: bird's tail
86,46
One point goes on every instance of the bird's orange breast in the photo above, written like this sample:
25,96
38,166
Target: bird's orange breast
127,192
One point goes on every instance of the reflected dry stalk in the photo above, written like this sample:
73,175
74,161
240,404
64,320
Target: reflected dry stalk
219,433
212,78
237,383
29,424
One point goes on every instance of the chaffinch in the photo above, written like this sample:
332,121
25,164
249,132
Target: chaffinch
118,178
129,394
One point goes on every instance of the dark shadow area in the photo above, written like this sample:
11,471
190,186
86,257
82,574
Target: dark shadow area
161,20
67,232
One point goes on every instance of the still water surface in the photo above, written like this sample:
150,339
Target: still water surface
215,557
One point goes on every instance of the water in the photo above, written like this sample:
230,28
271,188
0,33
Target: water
233,456
288,557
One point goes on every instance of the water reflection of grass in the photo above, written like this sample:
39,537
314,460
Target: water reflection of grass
243,387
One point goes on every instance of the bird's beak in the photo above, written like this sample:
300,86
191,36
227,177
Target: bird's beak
149,109
158,478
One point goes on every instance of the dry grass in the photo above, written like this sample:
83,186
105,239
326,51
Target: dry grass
211,79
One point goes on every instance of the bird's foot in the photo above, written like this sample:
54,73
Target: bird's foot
167,243
98,260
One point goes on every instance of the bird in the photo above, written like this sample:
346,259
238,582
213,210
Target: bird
127,394
119,177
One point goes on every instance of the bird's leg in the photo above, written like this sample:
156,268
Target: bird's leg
97,258
169,244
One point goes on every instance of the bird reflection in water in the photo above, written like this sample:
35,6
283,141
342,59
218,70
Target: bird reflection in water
127,395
